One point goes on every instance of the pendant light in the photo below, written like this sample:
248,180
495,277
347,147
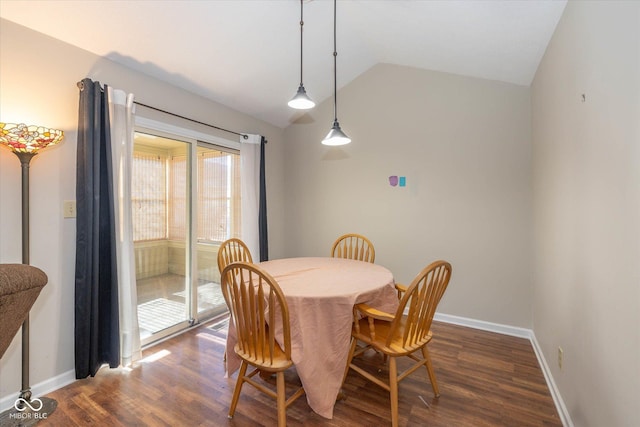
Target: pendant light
335,135
301,100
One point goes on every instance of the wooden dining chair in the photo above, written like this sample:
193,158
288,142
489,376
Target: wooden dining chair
353,246
232,250
397,335
256,303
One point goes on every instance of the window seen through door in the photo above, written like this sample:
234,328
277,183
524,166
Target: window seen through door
159,194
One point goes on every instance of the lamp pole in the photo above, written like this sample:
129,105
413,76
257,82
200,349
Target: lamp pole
25,159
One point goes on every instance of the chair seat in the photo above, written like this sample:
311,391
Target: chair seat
382,330
263,358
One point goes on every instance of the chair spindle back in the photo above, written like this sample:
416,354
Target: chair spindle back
258,309
421,298
354,246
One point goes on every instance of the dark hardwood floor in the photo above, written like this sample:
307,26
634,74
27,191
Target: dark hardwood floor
485,379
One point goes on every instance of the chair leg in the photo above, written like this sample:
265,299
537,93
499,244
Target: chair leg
236,390
281,398
393,390
430,371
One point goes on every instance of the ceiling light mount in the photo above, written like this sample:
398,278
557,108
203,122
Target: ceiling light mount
301,100
335,136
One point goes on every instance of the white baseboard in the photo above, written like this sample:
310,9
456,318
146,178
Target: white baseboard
40,389
513,331
521,333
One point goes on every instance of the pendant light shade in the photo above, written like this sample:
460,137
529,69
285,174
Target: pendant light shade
335,136
301,100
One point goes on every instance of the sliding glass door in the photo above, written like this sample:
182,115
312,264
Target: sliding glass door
186,201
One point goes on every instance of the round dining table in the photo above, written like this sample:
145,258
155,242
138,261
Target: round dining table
320,293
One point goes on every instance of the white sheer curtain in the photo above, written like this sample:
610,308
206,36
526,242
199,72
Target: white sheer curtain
122,129
250,183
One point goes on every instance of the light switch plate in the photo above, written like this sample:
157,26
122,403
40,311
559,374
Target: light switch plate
69,208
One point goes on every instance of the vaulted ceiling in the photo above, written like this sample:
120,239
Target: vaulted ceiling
246,54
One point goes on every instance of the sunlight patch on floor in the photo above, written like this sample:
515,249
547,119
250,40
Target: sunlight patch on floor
215,339
155,356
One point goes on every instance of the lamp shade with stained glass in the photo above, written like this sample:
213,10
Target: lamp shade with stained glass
21,138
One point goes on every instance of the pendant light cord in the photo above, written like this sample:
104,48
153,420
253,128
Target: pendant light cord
335,72
301,25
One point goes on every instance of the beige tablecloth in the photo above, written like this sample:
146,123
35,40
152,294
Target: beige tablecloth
321,293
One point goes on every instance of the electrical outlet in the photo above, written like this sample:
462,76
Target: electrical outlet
69,208
560,357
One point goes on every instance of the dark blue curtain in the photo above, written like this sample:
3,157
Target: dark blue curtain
262,209
96,288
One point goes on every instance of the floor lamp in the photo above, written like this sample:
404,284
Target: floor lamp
25,142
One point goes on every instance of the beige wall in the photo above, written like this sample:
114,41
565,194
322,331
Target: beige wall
586,163
463,145
38,78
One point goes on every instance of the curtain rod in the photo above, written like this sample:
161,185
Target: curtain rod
80,85
191,120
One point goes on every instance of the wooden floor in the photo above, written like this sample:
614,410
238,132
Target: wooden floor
485,379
